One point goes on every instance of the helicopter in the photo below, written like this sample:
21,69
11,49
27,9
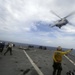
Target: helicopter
63,21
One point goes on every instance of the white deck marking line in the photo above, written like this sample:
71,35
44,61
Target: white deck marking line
33,64
70,60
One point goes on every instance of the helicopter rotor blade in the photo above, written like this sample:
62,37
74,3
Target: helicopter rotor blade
71,23
52,25
56,14
70,14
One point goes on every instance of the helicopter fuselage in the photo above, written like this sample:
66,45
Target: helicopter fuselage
61,22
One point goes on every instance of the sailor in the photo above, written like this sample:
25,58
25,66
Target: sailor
2,46
9,48
57,59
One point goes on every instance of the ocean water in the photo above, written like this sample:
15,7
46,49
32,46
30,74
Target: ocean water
48,47
37,46
73,52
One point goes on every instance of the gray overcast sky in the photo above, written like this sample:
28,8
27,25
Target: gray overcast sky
27,21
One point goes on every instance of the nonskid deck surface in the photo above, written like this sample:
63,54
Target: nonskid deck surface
20,64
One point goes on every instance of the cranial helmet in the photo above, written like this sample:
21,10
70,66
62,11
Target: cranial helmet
59,48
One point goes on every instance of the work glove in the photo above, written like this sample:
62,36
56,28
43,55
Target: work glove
71,49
